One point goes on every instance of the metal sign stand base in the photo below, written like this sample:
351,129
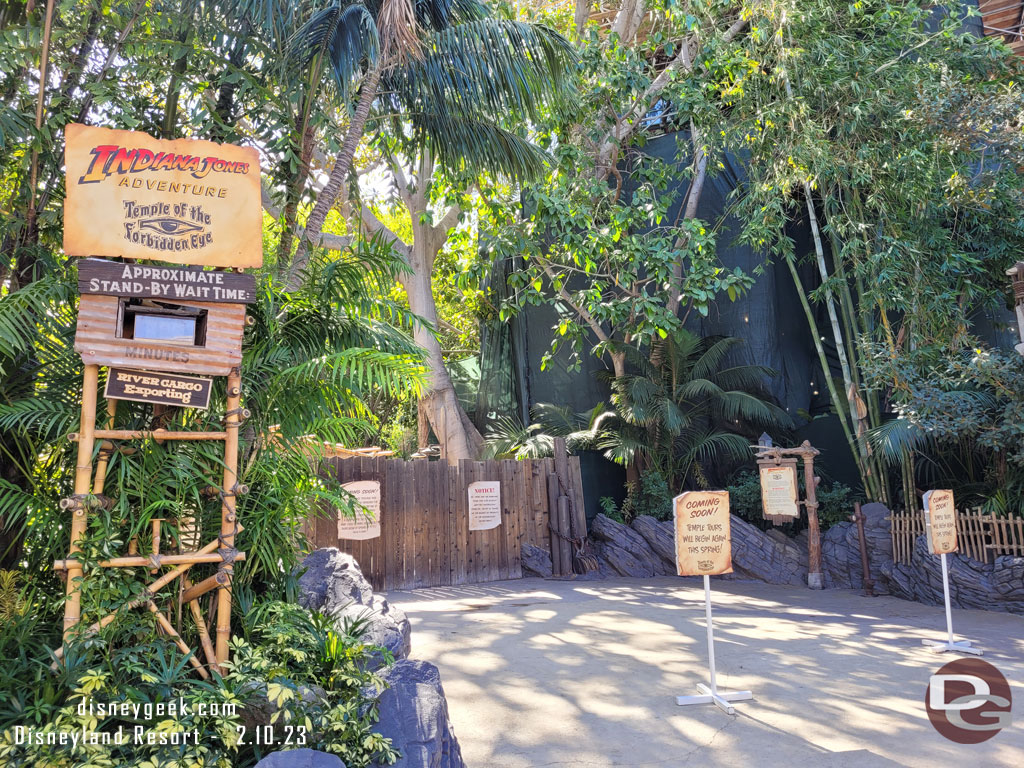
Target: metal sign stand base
963,646
711,694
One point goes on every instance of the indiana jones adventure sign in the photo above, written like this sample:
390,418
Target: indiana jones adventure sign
703,533
184,201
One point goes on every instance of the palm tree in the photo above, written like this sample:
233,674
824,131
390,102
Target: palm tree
689,410
447,72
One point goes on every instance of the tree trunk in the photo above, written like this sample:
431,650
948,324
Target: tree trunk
294,195
457,435
329,194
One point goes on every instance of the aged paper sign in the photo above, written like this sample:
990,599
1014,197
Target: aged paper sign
366,524
484,505
163,388
779,491
703,533
183,201
940,516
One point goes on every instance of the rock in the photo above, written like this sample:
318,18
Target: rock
765,557
641,560
621,562
840,551
331,579
414,715
333,583
659,537
385,625
258,710
300,758
997,586
536,561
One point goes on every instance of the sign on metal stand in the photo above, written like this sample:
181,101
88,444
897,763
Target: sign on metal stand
940,527
704,548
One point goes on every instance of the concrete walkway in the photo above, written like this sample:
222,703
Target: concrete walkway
568,674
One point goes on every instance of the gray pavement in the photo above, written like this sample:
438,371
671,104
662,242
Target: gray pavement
577,674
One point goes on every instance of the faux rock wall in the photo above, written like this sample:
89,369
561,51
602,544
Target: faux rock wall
840,551
646,548
997,586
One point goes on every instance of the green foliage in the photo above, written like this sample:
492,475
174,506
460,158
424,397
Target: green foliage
650,496
295,655
835,502
961,421
131,678
690,412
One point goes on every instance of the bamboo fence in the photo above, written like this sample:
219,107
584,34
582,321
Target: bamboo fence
979,535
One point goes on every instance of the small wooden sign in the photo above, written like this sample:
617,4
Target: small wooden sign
182,201
366,524
484,505
144,281
940,519
703,533
779,490
162,388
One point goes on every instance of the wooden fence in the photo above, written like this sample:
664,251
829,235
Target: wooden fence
981,536
425,539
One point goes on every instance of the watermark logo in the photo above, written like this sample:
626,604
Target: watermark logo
968,701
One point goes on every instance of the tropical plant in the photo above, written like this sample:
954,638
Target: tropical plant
690,414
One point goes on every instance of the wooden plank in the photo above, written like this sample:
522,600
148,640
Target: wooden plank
147,281
451,544
557,567
521,514
437,488
462,557
393,556
97,341
576,483
421,520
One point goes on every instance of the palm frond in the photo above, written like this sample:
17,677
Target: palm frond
345,36
460,142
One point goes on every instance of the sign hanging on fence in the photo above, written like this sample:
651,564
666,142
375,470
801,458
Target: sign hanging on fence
779,490
703,533
183,201
365,524
162,388
940,516
484,505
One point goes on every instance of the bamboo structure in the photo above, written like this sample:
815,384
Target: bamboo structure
980,536
229,518
83,481
88,490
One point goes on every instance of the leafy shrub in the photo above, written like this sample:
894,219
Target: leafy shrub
835,502
651,496
289,651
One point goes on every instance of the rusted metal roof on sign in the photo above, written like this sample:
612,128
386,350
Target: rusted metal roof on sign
1003,18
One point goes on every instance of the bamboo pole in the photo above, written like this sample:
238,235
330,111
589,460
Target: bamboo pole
155,523
106,448
188,558
182,645
193,592
155,434
83,478
229,517
204,634
148,593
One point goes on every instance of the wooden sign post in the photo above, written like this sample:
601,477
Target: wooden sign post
940,529
778,488
160,331
704,548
